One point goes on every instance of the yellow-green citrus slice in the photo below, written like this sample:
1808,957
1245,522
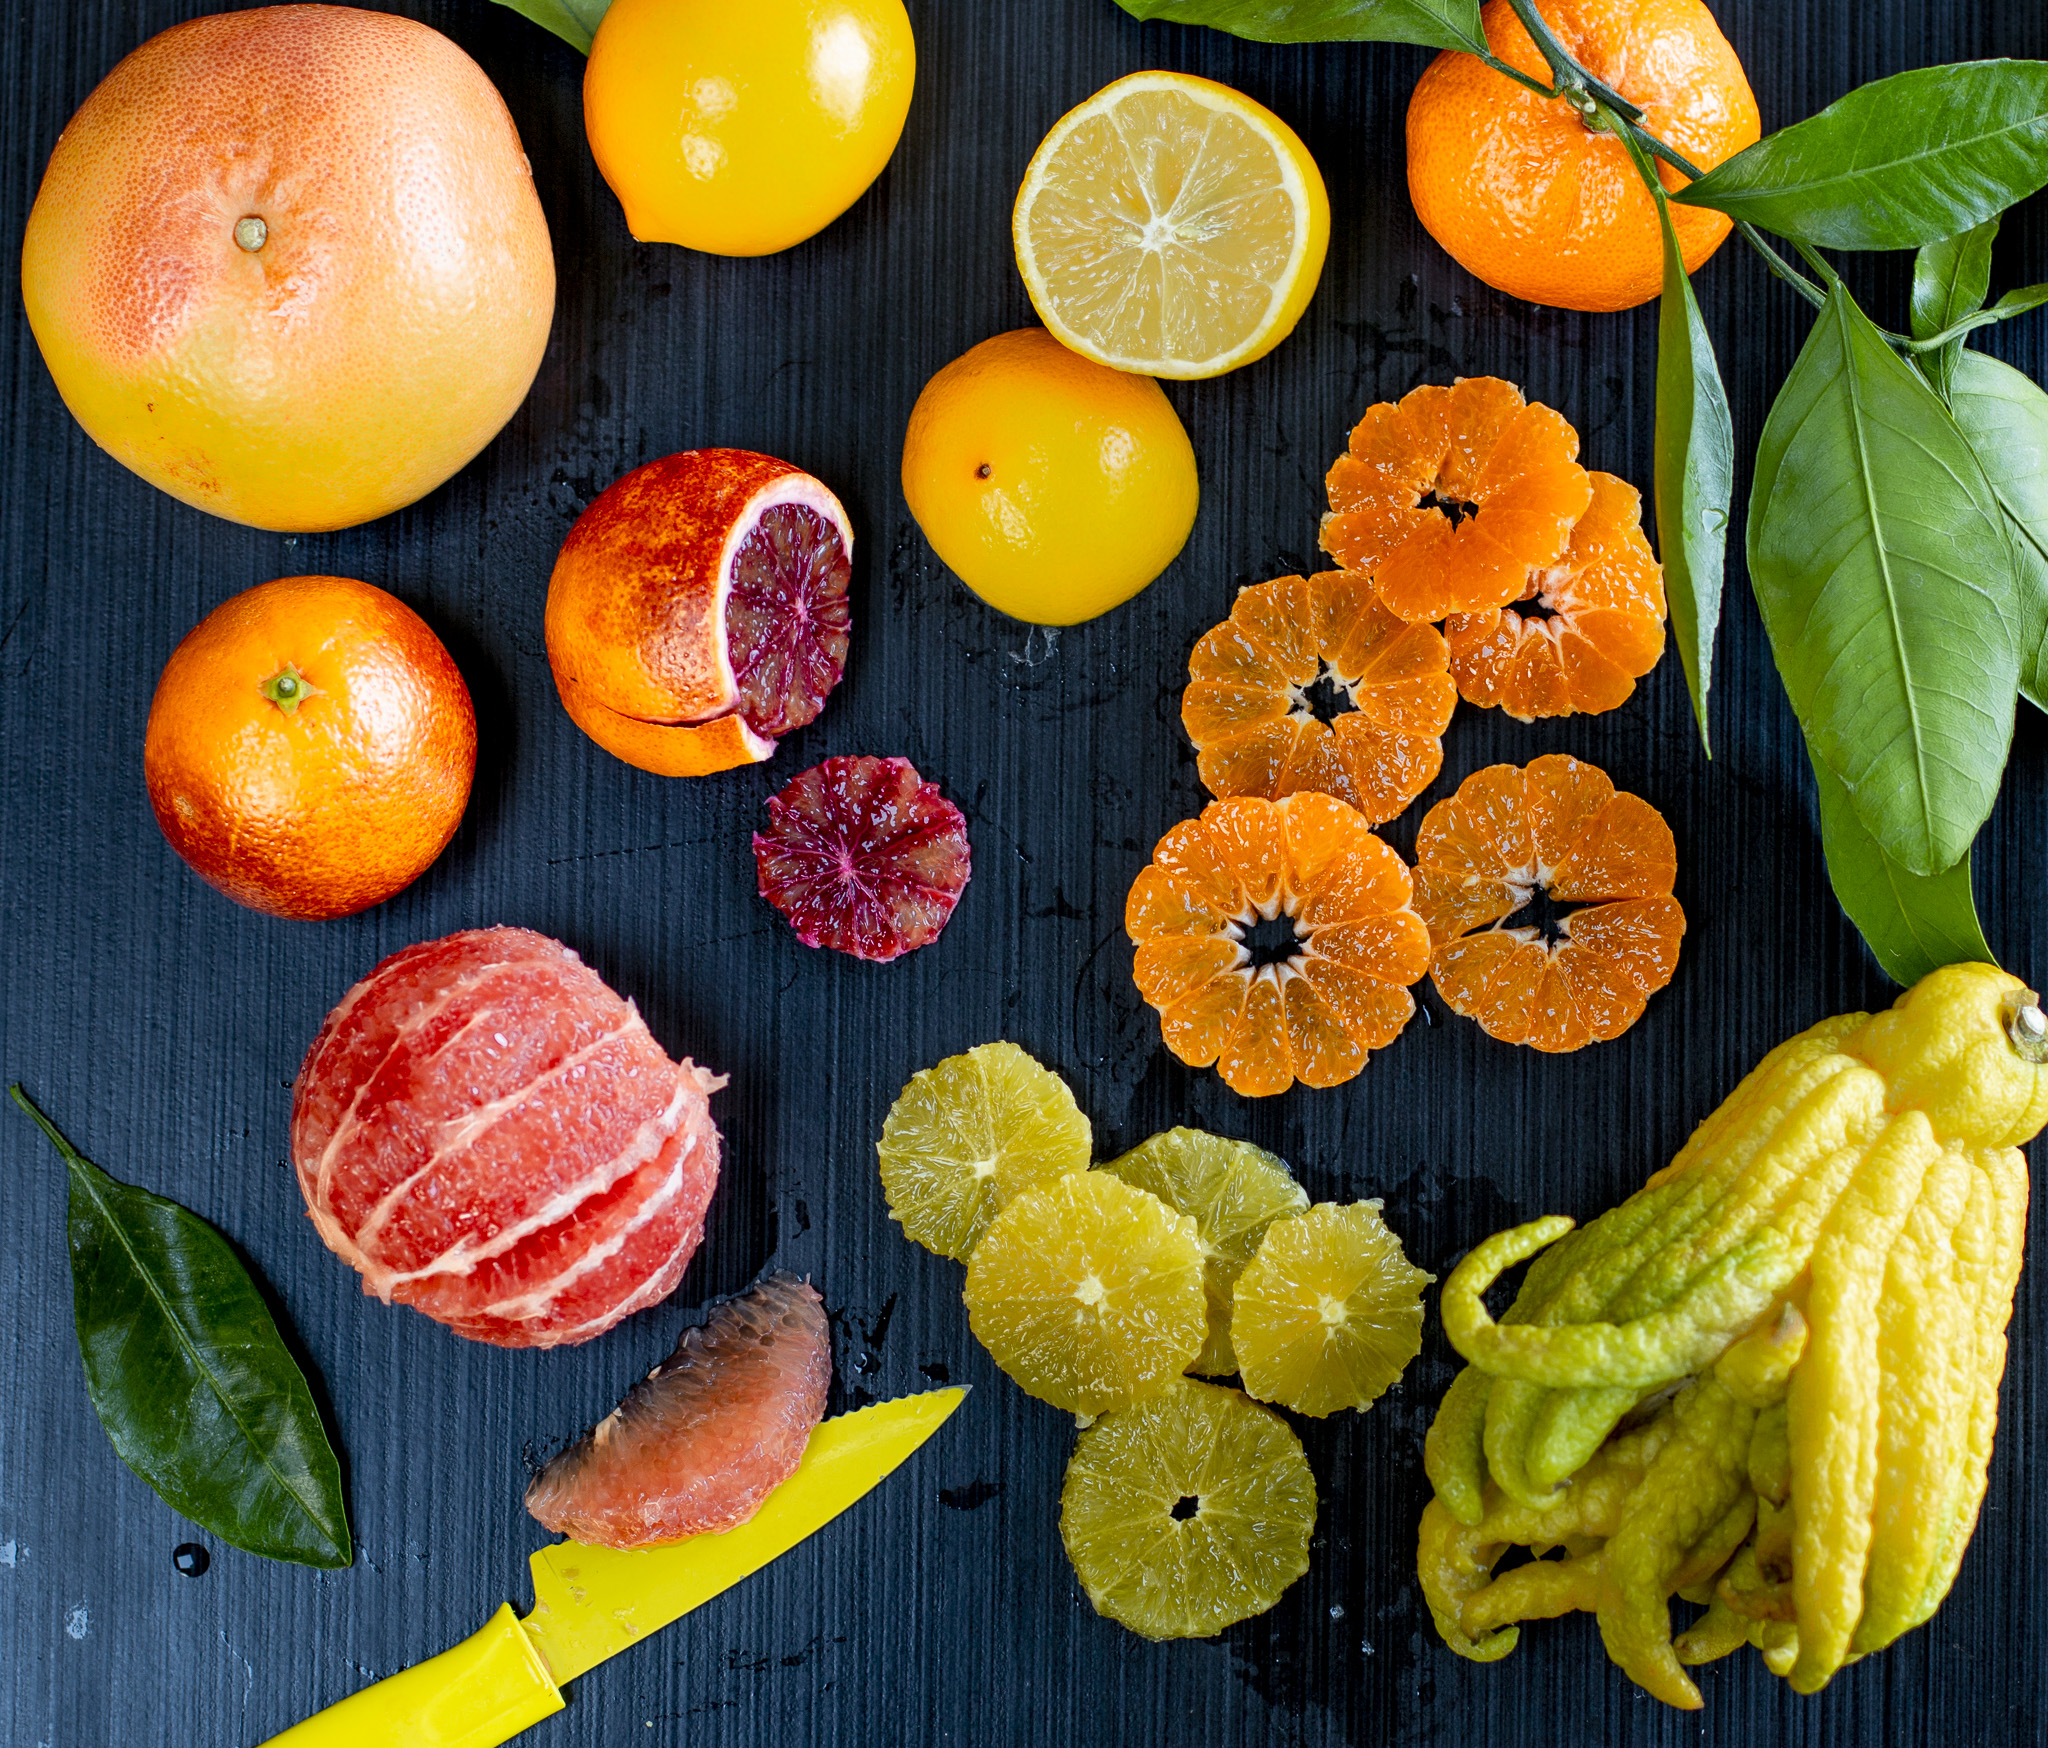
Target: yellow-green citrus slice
1234,1191
1328,1312
966,1136
1188,1512
1088,1293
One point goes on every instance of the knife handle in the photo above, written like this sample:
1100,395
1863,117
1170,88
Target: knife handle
483,1692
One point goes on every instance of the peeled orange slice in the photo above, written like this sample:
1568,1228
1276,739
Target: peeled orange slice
1586,628
1088,1292
1559,827
1171,226
1260,682
1450,497
967,1135
1188,1512
1328,1312
1330,985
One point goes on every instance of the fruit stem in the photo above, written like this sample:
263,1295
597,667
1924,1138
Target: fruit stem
288,689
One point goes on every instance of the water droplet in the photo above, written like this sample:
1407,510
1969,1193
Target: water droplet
191,1559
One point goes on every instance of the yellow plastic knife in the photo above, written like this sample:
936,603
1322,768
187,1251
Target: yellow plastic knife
592,1603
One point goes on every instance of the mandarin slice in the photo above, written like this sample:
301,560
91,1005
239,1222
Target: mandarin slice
964,1137
1450,497
1258,681
1233,1191
1328,1312
1309,1006
1188,1512
1597,624
1557,826
1088,1292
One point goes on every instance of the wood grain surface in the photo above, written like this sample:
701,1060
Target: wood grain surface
161,1025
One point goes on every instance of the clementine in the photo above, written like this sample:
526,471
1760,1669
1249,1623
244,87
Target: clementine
288,264
310,747
1540,205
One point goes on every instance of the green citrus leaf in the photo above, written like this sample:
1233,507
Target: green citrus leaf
1913,923
1884,571
1950,280
189,1375
574,21
2005,416
1434,24
1695,479
1897,163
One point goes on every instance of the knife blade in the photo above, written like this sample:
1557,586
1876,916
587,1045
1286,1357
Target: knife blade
592,1603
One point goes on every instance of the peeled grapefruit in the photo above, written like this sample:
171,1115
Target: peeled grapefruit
698,610
289,266
706,1436
487,1133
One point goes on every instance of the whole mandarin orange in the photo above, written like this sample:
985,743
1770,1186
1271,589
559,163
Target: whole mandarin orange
310,747
289,266
1536,203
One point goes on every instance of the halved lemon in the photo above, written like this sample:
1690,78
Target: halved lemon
1172,226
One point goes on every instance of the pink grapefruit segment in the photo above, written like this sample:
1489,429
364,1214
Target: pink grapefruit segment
864,856
698,1444
486,1132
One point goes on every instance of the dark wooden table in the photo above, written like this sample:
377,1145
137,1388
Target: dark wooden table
161,1025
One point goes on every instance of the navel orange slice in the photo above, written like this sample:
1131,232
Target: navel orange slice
1450,497
1593,624
1560,827
1295,647
1331,984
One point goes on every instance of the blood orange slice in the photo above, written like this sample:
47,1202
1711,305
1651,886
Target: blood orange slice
698,610
699,1443
863,856
487,1133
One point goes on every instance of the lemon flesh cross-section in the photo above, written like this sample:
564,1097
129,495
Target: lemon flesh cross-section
1088,1293
1234,1191
964,1137
1171,225
1188,1512
1328,1313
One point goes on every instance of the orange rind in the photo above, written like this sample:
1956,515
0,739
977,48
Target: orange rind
1252,711
1558,826
1319,1004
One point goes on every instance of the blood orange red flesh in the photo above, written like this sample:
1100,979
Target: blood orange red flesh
864,856
698,610
486,1132
713,1430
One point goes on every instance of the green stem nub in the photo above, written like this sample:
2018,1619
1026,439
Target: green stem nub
287,688
251,234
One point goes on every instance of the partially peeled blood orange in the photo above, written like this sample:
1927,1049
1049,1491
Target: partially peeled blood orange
698,610
705,1437
488,1133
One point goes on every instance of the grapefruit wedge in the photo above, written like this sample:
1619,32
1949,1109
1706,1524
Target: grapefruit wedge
698,610
705,1437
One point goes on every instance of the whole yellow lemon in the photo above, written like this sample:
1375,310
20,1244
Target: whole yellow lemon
1054,488
741,127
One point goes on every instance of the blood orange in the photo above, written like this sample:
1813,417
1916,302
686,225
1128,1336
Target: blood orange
699,1443
487,1133
864,856
698,610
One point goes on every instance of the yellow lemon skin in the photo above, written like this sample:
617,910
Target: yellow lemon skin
1054,488
741,127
